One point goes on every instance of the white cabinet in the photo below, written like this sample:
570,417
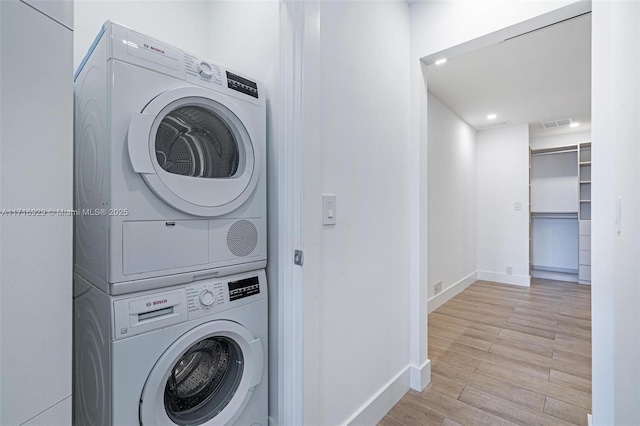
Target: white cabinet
36,125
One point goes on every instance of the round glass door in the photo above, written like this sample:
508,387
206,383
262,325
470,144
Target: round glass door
206,377
203,381
193,141
197,150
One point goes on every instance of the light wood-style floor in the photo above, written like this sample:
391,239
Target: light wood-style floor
504,355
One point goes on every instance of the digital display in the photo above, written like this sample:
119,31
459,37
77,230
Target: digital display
241,84
243,288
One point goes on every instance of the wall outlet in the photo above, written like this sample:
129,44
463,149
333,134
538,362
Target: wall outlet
509,270
437,287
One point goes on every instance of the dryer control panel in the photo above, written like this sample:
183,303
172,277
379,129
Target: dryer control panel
202,70
144,51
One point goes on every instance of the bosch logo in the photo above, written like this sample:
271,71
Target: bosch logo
154,49
159,302
148,304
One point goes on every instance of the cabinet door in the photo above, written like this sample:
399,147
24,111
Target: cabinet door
36,173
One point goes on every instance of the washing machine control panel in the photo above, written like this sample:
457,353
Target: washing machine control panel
214,295
242,288
202,299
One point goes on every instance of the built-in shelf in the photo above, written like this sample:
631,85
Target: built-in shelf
584,194
584,152
584,179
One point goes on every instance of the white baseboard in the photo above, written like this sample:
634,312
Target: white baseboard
557,276
521,280
382,401
589,420
436,301
420,376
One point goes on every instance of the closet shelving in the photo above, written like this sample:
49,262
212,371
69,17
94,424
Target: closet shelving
560,202
584,195
584,168
554,212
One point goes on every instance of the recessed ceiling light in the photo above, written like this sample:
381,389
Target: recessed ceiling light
574,124
441,61
492,116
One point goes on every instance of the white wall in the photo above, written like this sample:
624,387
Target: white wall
182,23
451,204
503,180
615,268
361,285
245,36
554,141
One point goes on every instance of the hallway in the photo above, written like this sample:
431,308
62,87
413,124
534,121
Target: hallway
504,354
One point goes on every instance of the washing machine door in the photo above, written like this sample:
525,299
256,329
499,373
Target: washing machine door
194,151
206,377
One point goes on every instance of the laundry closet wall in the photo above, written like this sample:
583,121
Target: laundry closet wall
184,24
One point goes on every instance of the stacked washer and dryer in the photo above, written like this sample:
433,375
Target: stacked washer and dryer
170,294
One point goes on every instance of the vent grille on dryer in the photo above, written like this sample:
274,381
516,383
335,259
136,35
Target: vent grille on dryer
242,238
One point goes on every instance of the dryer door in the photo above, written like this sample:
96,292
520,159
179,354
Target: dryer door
195,150
206,377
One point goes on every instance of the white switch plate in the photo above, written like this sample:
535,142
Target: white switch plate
517,206
328,209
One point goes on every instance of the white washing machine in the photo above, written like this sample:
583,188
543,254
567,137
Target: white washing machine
170,166
183,355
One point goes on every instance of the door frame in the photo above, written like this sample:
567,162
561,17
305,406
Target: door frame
419,107
290,152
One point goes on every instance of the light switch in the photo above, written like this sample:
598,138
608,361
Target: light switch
517,206
328,209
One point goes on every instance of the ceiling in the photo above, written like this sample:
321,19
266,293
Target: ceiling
537,77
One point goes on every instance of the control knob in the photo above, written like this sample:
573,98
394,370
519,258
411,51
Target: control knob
207,298
205,70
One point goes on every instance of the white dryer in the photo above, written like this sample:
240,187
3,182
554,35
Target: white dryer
183,355
170,166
